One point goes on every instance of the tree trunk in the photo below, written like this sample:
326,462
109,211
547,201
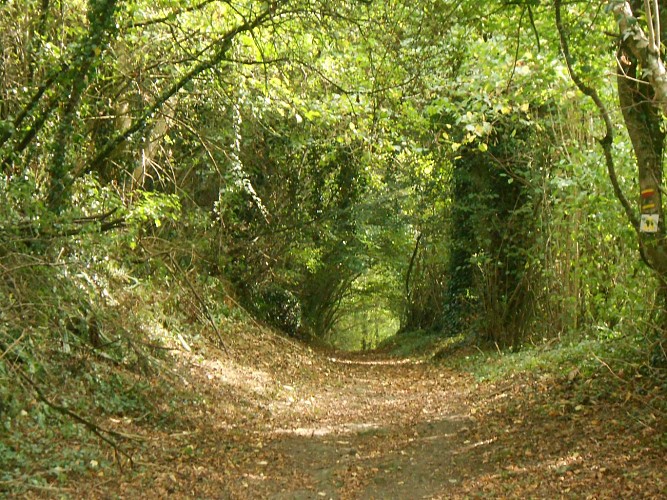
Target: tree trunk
642,92
643,123
645,47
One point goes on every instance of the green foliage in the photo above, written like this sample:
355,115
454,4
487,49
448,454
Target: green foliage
587,355
277,306
421,344
364,330
115,396
348,172
369,313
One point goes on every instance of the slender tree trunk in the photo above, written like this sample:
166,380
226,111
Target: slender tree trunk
642,97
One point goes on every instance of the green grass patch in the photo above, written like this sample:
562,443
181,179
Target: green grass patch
621,354
420,344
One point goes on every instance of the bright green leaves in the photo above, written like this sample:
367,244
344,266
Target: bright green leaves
155,207
151,208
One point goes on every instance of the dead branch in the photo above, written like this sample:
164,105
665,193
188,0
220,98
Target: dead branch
94,428
204,308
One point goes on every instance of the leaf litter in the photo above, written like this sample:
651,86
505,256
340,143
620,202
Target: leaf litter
283,421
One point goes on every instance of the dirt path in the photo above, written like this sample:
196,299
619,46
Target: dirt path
373,430
306,426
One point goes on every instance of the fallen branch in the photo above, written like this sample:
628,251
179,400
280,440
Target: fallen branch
94,428
42,487
606,365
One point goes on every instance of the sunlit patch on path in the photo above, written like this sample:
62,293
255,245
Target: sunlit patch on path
376,362
289,423
342,429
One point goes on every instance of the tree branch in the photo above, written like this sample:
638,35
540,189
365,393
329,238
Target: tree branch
224,44
28,231
95,429
608,139
172,15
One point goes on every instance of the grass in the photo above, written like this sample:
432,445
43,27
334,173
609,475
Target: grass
588,355
417,344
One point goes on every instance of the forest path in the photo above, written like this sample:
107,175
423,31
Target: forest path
378,429
303,425
356,427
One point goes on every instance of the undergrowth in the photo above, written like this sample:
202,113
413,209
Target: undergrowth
86,343
419,344
609,373
588,355
85,349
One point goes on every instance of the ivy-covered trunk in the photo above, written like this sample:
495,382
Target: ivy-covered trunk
102,22
493,229
640,90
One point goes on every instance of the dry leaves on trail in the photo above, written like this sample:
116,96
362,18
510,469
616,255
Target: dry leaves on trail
309,425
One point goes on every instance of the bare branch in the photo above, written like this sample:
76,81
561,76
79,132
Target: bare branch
651,26
608,139
172,15
95,429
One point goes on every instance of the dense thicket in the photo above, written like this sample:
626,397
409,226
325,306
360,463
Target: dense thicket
429,166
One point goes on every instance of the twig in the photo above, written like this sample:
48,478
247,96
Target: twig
651,26
43,487
27,234
637,397
640,421
13,344
95,429
658,42
603,363
96,217
204,307
516,50
532,24
262,327
171,15
156,361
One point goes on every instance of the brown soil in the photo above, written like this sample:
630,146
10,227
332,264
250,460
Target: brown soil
277,420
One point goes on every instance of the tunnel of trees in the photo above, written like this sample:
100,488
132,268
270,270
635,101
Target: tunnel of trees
435,166
342,171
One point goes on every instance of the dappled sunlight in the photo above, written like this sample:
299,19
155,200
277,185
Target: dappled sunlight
556,469
478,444
376,362
298,250
230,373
339,430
